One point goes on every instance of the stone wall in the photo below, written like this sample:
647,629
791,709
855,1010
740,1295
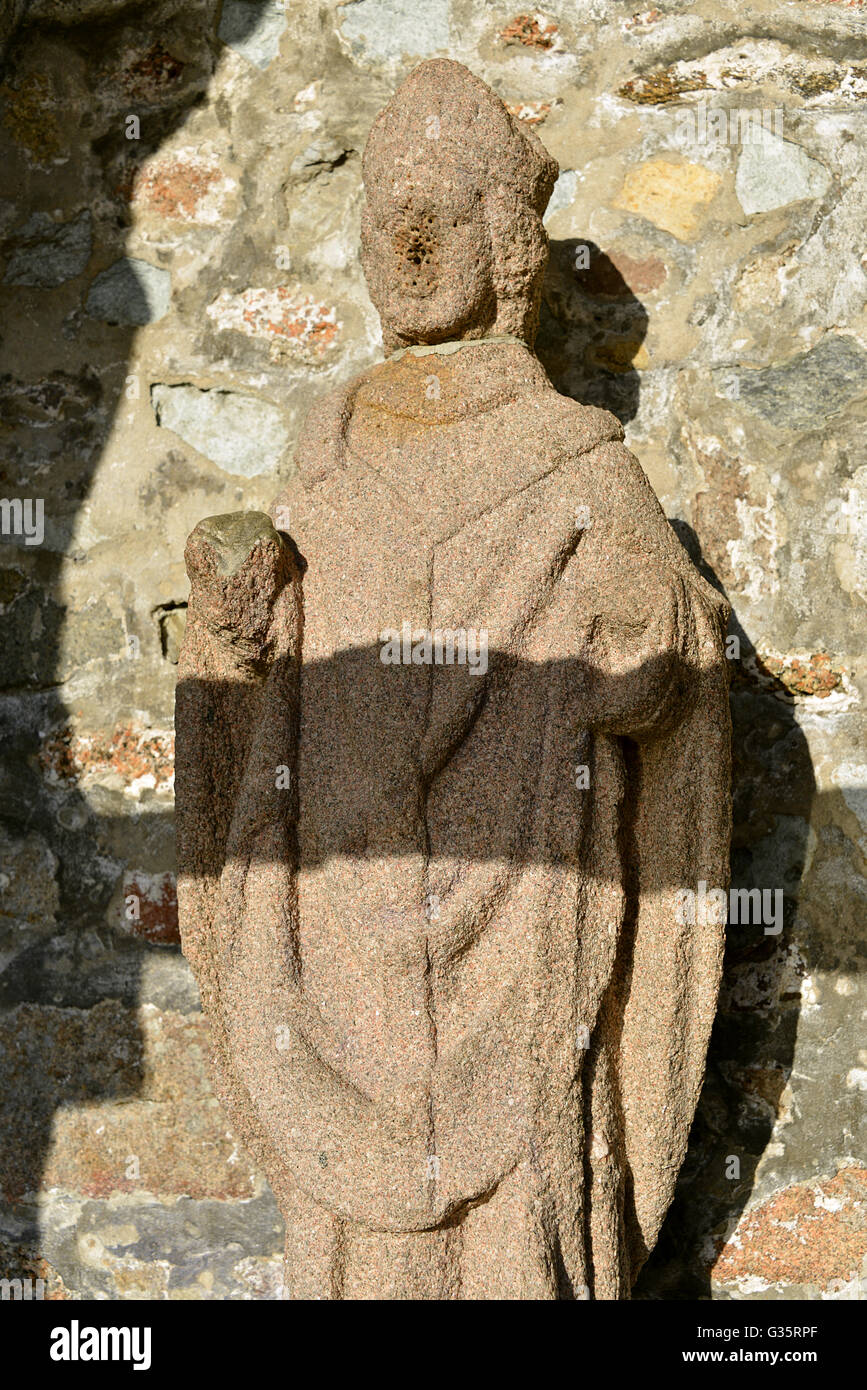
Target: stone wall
180,280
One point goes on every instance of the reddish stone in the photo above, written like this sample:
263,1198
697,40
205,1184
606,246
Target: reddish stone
130,750
153,72
809,1233
526,29
643,21
156,897
173,188
617,275
813,675
530,112
280,313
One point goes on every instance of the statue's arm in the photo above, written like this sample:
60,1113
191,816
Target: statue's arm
652,668
243,632
635,600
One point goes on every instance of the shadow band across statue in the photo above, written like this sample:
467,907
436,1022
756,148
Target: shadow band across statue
454,1011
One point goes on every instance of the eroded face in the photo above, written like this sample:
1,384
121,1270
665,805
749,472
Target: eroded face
427,258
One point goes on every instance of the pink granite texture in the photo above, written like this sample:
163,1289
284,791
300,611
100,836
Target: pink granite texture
434,909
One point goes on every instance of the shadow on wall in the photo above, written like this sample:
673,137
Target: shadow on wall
591,328
59,392
753,1041
69,981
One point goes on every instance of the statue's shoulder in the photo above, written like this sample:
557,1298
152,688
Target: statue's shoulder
569,428
322,438
591,440
581,422
618,495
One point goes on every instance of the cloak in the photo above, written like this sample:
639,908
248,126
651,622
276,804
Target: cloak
434,909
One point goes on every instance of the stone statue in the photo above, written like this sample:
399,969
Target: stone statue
453,761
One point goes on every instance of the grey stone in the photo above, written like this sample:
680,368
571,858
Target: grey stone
241,434
773,172
24,661
803,393
29,896
394,29
49,252
564,192
130,291
168,982
87,633
253,28
172,622
319,157
233,536
176,1249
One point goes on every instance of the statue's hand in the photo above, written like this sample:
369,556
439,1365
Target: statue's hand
238,565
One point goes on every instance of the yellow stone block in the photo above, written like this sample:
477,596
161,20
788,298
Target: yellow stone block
672,196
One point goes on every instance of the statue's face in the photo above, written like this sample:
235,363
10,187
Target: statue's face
427,257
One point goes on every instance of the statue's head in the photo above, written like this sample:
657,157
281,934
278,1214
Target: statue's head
452,239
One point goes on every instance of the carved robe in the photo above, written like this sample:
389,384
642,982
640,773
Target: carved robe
456,1012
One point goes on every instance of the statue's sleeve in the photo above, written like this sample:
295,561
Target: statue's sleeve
652,643
656,1019
240,653
678,831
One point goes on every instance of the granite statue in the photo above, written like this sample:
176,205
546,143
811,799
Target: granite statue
452,754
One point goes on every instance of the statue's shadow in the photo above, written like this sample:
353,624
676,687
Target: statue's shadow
591,327
753,1042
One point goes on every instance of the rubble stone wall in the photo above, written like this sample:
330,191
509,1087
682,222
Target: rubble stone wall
180,280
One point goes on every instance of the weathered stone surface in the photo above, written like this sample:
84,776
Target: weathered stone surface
130,758
379,886
280,317
785,394
188,186
29,896
390,30
564,192
672,196
241,434
773,172
253,28
143,1135
811,1236
47,253
131,291
139,1246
